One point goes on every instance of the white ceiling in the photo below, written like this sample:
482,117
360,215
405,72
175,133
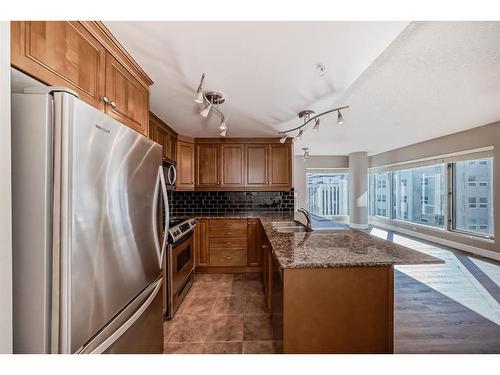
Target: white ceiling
432,79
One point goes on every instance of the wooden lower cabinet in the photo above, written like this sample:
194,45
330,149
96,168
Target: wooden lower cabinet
201,254
228,245
341,310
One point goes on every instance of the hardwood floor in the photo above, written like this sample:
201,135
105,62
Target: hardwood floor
445,308
222,313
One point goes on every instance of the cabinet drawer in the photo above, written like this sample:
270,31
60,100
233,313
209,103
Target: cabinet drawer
228,257
228,223
228,243
228,232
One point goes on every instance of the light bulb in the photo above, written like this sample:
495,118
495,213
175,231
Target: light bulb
223,125
283,139
340,119
316,125
204,112
222,133
299,136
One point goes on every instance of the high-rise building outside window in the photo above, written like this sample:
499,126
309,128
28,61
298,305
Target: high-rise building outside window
327,194
472,201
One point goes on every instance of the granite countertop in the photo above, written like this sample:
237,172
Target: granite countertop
344,247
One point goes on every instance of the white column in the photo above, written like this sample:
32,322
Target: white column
358,190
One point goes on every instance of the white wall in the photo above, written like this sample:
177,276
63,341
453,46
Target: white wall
300,168
5,194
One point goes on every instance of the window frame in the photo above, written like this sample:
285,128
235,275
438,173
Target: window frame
449,162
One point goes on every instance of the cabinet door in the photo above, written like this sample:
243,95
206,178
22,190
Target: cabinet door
280,166
207,166
254,243
185,166
267,272
201,241
256,174
232,165
129,99
60,53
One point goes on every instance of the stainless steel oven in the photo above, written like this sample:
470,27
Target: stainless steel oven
180,263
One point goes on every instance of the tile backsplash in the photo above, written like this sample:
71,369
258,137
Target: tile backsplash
217,202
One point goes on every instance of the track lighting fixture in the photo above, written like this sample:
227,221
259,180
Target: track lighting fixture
316,125
199,92
212,100
299,136
340,119
308,116
306,153
205,111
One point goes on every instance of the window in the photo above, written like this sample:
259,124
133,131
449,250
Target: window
382,191
472,200
327,194
419,194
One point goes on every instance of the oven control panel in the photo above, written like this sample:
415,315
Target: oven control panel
178,231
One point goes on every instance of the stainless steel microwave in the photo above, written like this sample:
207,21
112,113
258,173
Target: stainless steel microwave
170,173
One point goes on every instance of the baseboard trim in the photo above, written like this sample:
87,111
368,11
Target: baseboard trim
456,245
358,226
219,269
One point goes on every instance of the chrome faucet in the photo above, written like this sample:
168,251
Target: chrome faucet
307,215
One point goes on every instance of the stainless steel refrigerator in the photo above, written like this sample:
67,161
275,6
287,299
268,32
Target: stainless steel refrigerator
87,256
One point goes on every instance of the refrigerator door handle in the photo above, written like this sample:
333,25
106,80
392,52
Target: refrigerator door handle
167,214
155,215
125,326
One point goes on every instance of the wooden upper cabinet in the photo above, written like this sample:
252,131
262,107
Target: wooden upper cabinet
256,165
280,166
185,165
85,57
60,53
162,134
207,166
232,160
128,99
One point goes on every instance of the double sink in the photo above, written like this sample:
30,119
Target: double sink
290,226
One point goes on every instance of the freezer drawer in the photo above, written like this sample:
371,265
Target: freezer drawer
138,329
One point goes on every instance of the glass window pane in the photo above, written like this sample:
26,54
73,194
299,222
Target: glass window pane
382,187
327,194
419,195
473,196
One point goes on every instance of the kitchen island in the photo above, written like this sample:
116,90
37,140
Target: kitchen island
329,291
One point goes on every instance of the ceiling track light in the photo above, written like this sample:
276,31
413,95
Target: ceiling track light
308,116
340,119
283,139
212,100
316,125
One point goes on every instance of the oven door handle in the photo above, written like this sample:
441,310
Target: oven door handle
163,187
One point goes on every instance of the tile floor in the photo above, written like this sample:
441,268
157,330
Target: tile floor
222,313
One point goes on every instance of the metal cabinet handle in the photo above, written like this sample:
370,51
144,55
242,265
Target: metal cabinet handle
228,233
112,104
105,99
228,257
228,243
